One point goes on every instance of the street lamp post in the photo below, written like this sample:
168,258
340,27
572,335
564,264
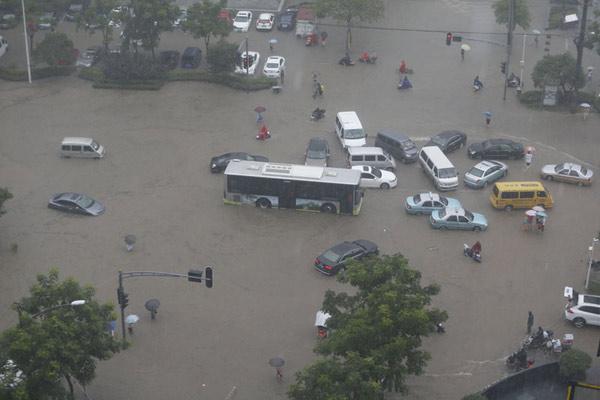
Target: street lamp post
71,304
26,45
591,249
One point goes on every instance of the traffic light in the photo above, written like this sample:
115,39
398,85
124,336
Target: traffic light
448,38
195,276
503,67
208,277
122,297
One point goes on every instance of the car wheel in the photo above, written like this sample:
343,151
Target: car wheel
391,169
328,208
476,229
419,213
579,322
508,208
579,183
443,228
505,172
263,203
385,186
549,178
485,184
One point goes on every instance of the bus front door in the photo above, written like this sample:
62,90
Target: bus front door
346,201
287,197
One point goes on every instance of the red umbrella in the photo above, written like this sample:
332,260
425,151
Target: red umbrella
529,148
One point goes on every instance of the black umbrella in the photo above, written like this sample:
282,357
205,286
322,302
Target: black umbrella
276,362
152,306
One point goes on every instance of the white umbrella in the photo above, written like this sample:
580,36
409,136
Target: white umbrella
590,68
585,105
132,319
322,318
538,208
536,32
465,47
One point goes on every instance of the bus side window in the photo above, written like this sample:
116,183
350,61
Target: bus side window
542,194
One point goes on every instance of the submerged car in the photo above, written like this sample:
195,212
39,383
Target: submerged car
317,152
248,62
75,203
334,259
274,66
568,172
219,163
242,21
426,203
371,177
485,173
265,22
448,140
458,218
496,148
89,57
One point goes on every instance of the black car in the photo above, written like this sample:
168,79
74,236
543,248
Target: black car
219,163
287,21
496,148
449,140
169,59
294,8
75,203
331,261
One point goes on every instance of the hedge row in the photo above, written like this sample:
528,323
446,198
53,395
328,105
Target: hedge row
11,74
131,85
533,99
233,81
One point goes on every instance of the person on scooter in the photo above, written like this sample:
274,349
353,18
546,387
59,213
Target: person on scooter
476,249
263,133
364,57
477,82
402,68
404,84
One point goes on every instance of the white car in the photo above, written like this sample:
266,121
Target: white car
274,66
248,61
371,177
182,17
242,21
265,22
582,309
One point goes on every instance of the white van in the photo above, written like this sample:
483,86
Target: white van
349,129
439,169
371,156
81,147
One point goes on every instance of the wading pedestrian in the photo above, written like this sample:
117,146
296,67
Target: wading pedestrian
529,322
462,54
488,119
528,159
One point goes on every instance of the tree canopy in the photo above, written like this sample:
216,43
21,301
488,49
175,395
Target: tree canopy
203,21
55,340
350,11
99,15
222,57
559,69
592,36
5,195
376,335
522,16
52,49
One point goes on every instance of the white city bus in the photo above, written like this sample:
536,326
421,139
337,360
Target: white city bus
301,187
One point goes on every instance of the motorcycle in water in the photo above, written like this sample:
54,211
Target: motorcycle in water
312,40
404,84
538,339
317,114
513,80
473,252
518,360
321,324
368,58
263,133
346,61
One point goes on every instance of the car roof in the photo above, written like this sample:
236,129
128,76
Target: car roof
274,58
265,16
487,164
447,134
365,168
67,196
429,196
455,211
246,13
344,247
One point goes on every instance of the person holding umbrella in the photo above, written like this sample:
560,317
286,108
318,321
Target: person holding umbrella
323,38
271,43
488,117
277,363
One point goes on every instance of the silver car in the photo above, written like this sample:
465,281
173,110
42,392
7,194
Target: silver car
568,172
89,57
317,152
485,173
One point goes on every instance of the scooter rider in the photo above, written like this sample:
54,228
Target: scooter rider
477,82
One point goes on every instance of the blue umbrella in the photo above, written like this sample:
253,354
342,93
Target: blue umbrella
111,326
536,32
272,41
541,214
487,113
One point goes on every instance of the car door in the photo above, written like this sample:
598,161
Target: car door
69,206
492,173
368,180
427,206
452,222
591,314
437,205
453,143
464,223
563,175
574,176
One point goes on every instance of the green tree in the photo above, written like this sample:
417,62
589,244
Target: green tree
202,21
222,57
559,68
592,37
5,195
150,19
64,342
99,16
350,11
381,324
52,49
573,364
522,16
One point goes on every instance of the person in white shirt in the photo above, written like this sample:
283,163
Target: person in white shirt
528,159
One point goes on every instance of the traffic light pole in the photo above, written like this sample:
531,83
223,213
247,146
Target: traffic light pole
511,16
192,275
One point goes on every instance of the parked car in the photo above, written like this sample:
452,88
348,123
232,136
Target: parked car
75,203
317,152
181,18
265,22
371,177
219,163
248,61
47,20
274,65
582,309
334,259
8,21
225,17
496,148
89,57
67,56
169,59
448,140
242,21
485,173
287,21
294,8
568,172
457,218
426,203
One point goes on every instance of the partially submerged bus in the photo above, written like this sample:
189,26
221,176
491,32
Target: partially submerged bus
300,187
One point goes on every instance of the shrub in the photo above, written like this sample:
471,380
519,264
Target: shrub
11,74
131,85
531,97
233,81
91,74
573,364
590,98
128,66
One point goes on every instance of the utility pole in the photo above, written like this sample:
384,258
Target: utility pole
579,43
511,23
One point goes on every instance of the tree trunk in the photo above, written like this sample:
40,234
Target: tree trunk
68,378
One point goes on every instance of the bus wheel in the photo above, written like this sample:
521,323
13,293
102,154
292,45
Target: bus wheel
263,203
508,208
328,208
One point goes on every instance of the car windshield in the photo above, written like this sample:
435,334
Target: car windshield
469,215
417,199
273,65
439,140
264,21
447,173
376,172
87,54
476,172
241,18
583,170
559,167
95,145
443,200
84,202
331,256
286,18
316,153
354,134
